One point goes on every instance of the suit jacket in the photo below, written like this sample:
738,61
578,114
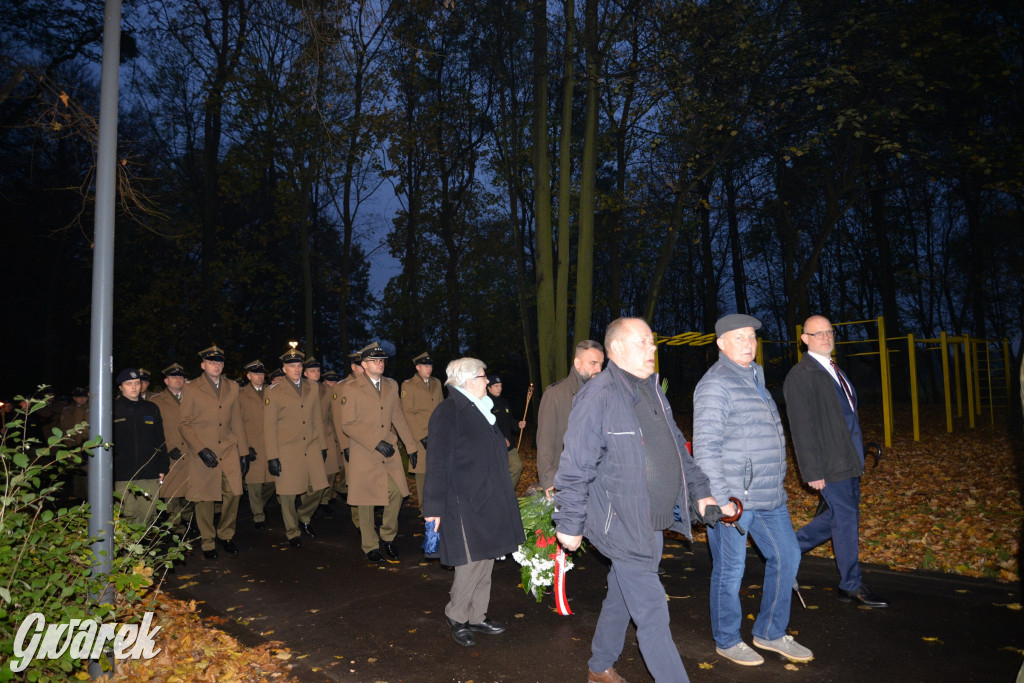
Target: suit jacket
824,428
419,399
176,482
214,422
251,403
468,485
293,430
367,418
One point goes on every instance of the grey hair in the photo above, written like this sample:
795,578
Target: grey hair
462,370
617,329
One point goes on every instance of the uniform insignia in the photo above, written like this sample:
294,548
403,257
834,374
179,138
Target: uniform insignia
335,395
267,400
403,393
344,399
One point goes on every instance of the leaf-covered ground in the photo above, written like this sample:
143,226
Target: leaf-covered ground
948,503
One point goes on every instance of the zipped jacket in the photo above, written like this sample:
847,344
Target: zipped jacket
601,484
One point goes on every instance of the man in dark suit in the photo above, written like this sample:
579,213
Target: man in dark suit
822,408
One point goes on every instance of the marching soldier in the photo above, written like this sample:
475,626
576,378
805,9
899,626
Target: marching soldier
174,487
294,433
369,409
258,481
421,393
276,376
75,413
211,424
140,459
311,370
355,371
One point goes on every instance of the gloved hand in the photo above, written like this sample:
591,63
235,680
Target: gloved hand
323,454
424,442
413,457
174,453
252,454
208,457
345,453
243,463
385,449
274,466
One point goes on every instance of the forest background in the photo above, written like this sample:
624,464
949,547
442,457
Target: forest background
535,169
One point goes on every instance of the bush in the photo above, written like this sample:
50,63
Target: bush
46,557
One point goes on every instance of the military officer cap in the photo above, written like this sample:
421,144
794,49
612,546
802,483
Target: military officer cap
311,362
79,391
330,376
735,321
372,350
492,380
354,357
292,356
423,359
214,353
173,369
276,373
255,366
126,374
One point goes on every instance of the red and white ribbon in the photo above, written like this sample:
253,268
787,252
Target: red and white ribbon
561,602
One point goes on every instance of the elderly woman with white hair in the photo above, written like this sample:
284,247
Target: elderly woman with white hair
468,495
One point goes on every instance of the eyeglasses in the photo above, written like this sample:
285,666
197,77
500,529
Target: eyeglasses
480,377
828,334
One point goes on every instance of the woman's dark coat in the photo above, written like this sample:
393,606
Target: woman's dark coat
468,485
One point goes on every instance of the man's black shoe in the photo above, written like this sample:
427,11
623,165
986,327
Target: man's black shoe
863,596
210,554
295,542
260,525
462,633
374,556
489,627
325,511
307,529
229,546
390,549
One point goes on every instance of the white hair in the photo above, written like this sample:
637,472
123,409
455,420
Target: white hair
462,370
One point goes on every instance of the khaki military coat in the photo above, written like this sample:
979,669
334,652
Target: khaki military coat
331,464
251,402
214,422
367,418
72,415
419,399
293,430
175,483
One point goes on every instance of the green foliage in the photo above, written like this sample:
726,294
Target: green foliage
45,554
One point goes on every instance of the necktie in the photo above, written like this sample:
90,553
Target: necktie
842,382
376,385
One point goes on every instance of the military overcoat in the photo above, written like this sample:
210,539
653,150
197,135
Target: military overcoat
251,402
419,399
176,480
213,421
293,430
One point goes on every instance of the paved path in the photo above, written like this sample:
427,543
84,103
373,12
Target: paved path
348,620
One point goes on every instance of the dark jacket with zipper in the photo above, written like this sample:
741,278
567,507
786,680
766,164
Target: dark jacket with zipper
602,489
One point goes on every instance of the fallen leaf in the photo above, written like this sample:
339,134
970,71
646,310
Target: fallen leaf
706,665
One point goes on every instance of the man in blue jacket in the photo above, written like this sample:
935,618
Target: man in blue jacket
822,408
739,443
622,470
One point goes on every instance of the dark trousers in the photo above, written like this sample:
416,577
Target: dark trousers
635,592
841,523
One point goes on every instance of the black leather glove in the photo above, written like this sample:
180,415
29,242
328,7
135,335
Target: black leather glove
345,453
243,462
252,454
424,442
274,466
208,457
174,453
323,453
385,449
413,457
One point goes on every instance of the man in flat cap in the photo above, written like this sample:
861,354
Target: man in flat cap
174,487
258,482
370,408
294,433
140,459
312,371
211,424
739,443
421,393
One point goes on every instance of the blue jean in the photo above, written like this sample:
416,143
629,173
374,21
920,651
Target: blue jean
772,531
635,592
840,522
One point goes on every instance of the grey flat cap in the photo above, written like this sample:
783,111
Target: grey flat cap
735,321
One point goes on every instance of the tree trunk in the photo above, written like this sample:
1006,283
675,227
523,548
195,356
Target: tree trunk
585,245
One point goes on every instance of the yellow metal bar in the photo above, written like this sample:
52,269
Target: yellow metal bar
1006,365
988,374
799,333
883,354
969,379
956,379
976,369
759,355
914,408
945,382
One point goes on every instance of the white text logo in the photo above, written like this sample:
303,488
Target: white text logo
81,639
